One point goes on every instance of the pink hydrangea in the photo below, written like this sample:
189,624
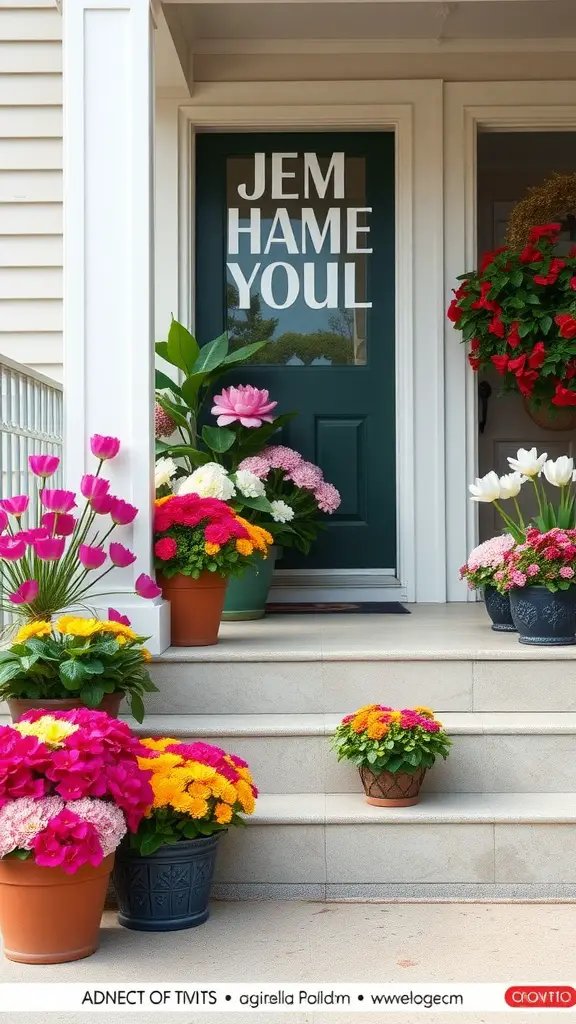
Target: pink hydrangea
67,842
107,819
518,578
306,475
491,553
566,572
22,820
280,457
532,570
328,497
256,464
22,760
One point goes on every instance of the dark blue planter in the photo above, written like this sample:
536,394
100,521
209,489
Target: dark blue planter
498,608
543,618
167,890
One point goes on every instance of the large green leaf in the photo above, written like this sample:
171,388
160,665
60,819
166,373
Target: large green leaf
161,348
211,355
218,439
182,347
164,383
92,692
239,355
261,504
137,707
73,674
181,450
8,671
191,387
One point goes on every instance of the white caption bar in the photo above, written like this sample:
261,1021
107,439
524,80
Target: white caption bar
205,997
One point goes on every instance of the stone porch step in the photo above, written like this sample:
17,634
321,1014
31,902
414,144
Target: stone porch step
492,752
491,845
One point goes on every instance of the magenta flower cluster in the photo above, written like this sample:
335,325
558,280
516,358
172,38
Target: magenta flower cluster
304,475
69,800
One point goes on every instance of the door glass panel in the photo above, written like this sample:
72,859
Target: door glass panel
297,257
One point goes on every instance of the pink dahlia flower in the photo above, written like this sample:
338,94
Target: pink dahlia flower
67,842
104,447
22,820
328,497
249,405
306,475
107,819
15,506
165,548
278,456
43,465
27,592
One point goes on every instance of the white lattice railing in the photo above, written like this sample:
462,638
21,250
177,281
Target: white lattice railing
30,422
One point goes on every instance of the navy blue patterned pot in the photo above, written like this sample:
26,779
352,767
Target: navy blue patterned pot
498,608
544,618
167,890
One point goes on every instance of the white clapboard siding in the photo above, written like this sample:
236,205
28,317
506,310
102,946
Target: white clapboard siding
30,218
30,90
30,283
30,316
30,250
30,186
26,23
31,183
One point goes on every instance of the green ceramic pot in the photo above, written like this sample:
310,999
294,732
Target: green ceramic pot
246,595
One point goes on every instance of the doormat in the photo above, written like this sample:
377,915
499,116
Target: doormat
338,607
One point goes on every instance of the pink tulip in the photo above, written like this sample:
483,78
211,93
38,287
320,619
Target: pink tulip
57,500
104,447
122,513
26,593
91,558
114,616
50,549
94,486
59,523
146,587
102,504
16,506
12,548
3,520
43,465
245,403
34,534
121,556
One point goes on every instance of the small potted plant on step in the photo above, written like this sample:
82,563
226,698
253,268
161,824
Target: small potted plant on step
75,662
483,563
392,750
70,787
163,875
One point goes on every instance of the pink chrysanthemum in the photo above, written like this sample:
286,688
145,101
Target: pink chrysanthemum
23,819
106,818
256,464
67,842
566,572
307,475
328,497
490,554
280,457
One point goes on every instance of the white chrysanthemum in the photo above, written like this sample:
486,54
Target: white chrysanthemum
163,472
249,484
209,481
281,512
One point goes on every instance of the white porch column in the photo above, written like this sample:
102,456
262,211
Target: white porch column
108,294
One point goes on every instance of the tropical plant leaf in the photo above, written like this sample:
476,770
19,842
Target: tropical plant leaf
180,450
161,349
218,439
211,355
164,383
261,504
92,692
239,355
182,347
190,388
73,674
137,707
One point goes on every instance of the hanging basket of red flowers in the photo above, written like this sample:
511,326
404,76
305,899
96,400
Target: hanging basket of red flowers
517,312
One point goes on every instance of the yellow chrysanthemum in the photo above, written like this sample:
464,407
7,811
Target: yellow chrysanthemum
51,731
200,789
118,629
395,716
192,805
245,796
74,625
211,549
165,762
146,654
258,536
359,722
244,546
376,730
366,707
425,712
223,814
161,744
40,628
224,790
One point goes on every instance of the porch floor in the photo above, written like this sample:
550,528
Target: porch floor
432,632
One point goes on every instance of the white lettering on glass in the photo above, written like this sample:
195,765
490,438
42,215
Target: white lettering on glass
312,170
278,175
331,300
353,228
317,236
292,280
244,284
350,289
282,220
259,179
234,231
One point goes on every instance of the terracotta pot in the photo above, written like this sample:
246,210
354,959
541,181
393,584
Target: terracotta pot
110,703
195,607
392,789
551,418
48,917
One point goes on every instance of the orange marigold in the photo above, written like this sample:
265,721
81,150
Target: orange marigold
359,722
245,796
424,711
377,730
244,546
223,813
211,549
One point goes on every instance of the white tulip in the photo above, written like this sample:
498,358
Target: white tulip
209,481
529,463
163,472
559,473
486,488
511,484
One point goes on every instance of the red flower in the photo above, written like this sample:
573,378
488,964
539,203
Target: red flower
217,533
462,291
488,258
454,312
567,325
537,356
552,552
475,344
517,365
496,326
500,362
548,231
573,283
483,302
530,255
165,548
474,362
570,370
513,338
526,382
563,396
554,269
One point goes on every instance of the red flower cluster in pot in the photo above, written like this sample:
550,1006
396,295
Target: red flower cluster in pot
518,313
544,559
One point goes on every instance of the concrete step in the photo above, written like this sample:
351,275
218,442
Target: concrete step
484,846
497,753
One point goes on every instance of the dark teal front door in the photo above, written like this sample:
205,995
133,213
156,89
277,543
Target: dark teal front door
295,244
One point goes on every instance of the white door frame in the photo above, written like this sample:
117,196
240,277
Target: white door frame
414,111
521,106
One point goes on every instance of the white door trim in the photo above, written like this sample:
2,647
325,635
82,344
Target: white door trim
506,106
414,111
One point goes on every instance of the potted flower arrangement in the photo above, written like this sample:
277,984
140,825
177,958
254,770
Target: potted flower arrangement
70,788
479,570
74,662
53,566
199,544
392,750
517,312
539,576
163,876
